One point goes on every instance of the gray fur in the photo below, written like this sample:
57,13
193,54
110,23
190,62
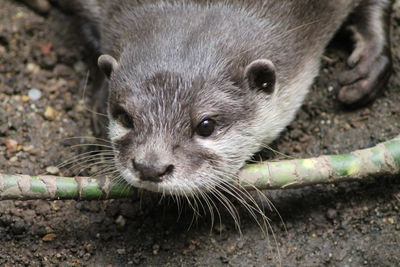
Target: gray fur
180,62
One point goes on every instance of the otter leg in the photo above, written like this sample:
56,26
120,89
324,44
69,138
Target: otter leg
86,14
370,61
98,105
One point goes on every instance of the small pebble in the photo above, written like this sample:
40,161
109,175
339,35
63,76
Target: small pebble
29,149
18,227
13,159
297,148
55,205
52,170
50,113
63,70
230,249
396,109
49,237
80,108
49,230
331,214
25,98
220,228
156,249
79,67
120,221
121,251
11,145
34,94
347,126
54,85
32,68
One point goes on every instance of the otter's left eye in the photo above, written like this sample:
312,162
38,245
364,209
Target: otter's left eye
123,117
206,127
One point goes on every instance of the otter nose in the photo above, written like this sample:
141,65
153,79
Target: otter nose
152,172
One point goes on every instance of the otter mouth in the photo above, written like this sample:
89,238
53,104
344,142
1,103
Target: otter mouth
166,185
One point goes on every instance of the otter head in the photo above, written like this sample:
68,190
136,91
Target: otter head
188,132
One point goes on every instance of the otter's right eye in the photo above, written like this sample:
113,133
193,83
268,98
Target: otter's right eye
206,127
123,117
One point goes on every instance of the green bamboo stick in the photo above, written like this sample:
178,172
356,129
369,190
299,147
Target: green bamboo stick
382,159
24,187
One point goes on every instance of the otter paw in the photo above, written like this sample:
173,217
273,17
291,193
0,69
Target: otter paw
369,75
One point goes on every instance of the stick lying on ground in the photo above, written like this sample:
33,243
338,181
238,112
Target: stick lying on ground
382,159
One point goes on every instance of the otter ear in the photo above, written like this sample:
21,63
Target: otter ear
107,64
260,75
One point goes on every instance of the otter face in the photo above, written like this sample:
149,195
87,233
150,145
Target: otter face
188,135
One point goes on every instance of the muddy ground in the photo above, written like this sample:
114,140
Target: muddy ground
350,224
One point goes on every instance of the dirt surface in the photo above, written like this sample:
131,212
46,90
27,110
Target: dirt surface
350,224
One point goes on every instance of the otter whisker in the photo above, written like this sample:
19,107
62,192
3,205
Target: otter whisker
239,194
180,204
250,208
82,157
228,206
105,172
83,166
266,220
270,204
207,200
276,152
95,152
90,145
196,196
89,137
195,211
243,196
83,96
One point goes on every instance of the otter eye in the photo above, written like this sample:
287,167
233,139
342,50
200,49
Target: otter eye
126,120
206,127
123,117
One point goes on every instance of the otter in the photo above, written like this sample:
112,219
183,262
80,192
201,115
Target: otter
194,88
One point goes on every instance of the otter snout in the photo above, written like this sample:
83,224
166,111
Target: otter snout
152,171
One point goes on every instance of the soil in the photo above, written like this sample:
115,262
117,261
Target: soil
351,224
